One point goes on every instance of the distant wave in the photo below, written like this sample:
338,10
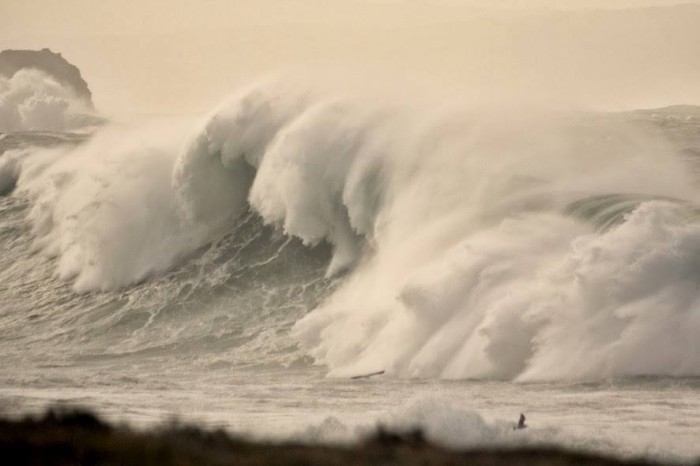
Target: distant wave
502,243
31,100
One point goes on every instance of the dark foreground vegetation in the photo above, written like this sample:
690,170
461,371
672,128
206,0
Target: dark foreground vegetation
77,437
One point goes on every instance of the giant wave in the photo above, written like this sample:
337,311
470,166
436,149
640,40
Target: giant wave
468,242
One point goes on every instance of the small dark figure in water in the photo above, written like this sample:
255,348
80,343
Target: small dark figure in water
521,422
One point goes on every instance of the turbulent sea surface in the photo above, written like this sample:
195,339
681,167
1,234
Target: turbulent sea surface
238,270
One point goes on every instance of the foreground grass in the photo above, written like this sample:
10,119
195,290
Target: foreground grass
80,438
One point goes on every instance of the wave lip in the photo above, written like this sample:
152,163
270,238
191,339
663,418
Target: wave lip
304,165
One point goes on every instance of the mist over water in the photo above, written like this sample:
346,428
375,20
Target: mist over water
302,225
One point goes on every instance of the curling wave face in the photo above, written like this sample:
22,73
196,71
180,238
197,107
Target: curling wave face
498,243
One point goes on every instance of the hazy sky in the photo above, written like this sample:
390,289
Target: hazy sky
149,56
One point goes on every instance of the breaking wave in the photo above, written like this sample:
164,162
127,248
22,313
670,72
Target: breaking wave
31,100
506,243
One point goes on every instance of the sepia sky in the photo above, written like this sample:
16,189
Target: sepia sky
140,56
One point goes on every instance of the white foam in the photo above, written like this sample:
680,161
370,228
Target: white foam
31,100
107,209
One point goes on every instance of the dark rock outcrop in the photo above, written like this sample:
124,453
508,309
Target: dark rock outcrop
50,63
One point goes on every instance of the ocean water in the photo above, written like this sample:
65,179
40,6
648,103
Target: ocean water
237,270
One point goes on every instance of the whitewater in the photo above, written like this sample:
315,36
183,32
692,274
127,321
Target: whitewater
238,269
